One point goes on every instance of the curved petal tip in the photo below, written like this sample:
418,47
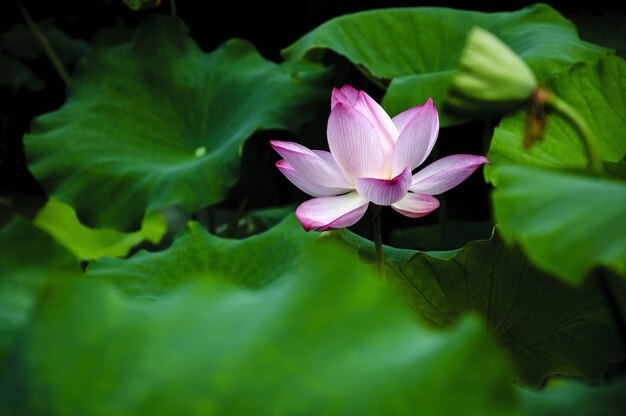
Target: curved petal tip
416,205
325,213
385,191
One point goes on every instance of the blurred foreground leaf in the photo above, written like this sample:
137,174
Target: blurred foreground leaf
325,339
28,256
568,223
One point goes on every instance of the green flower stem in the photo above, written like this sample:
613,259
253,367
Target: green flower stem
173,7
378,241
41,38
588,137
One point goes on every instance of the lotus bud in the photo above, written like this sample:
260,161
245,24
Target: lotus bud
490,78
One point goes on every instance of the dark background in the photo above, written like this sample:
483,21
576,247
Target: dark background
271,26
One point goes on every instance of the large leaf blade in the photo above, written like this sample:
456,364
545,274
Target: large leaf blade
418,48
157,122
598,93
547,326
327,338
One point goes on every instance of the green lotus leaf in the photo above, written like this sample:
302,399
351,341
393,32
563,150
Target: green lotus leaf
28,257
418,48
547,326
20,41
60,221
15,75
570,224
158,122
254,261
598,92
327,339
568,398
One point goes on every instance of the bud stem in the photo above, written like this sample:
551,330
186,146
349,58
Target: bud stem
378,241
45,45
588,138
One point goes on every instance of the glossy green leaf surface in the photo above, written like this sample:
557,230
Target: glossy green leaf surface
547,326
255,261
158,122
60,221
598,92
418,49
152,262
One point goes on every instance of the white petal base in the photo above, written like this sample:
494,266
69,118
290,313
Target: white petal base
385,191
416,205
324,213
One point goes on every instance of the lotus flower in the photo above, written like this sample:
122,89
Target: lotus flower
371,159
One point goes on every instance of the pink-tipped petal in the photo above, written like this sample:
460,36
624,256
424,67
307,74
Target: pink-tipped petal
353,143
445,173
305,184
403,118
331,212
416,205
350,92
346,95
384,191
377,116
318,168
418,134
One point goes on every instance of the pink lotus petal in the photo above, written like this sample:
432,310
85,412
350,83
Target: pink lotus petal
445,173
384,191
377,115
416,205
331,212
419,130
403,118
347,96
350,92
385,129
318,169
304,184
353,143
328,158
